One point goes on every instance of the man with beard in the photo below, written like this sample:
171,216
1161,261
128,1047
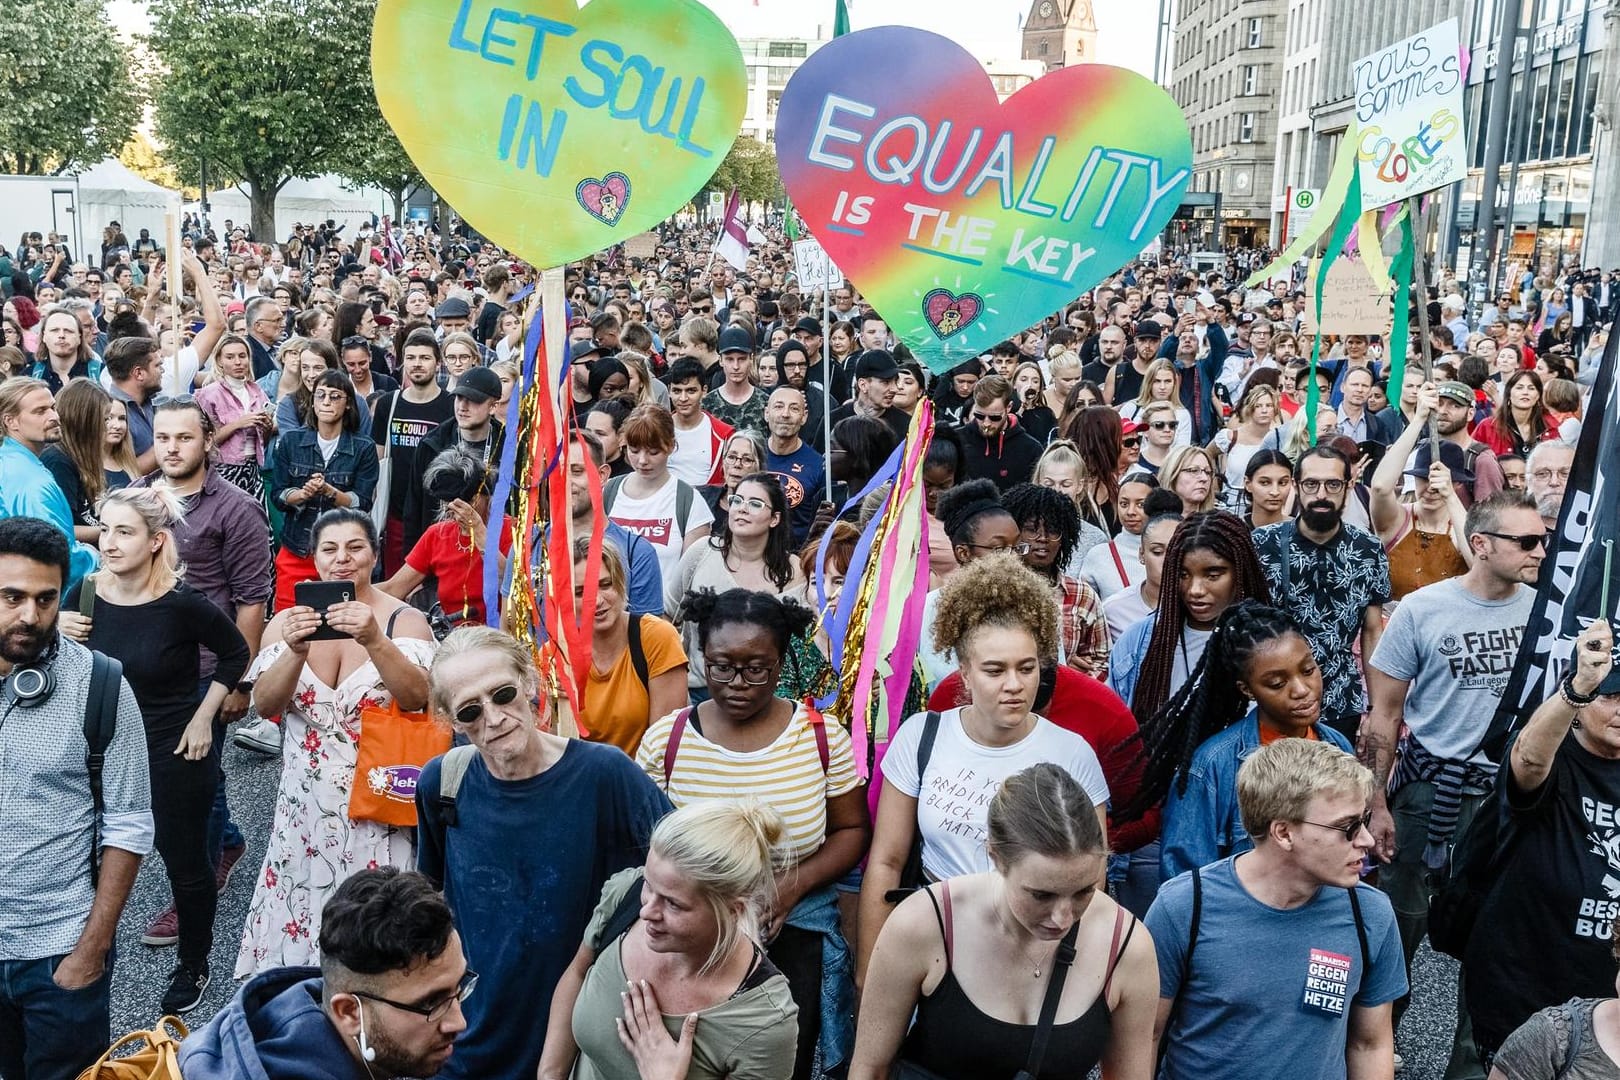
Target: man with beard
1439,670
1546,475
28,423
1110,351
876,378
995,448
473,426
1455,409
402,420
1331,578
224,544
68,856
386,1001
801,470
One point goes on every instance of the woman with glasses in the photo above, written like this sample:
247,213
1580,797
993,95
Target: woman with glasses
538,825
1049,526
328,465
744,740
741,454
996,621
754,551
461,355
319,688
1257,682
1190,473
684,932
1161,383
1159,427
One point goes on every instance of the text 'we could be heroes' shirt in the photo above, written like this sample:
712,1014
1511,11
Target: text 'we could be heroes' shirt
399,425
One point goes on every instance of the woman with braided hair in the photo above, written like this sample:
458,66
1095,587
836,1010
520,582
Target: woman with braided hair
1257,682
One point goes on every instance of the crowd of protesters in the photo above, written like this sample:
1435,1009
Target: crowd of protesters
1194,733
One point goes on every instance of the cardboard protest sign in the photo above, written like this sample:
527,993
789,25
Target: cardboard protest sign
1409,112
962,219
813,267
1351,302
554,130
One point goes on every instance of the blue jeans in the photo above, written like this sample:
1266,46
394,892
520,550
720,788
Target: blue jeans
46,1032
222,831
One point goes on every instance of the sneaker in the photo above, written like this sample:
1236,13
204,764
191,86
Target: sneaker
163,930
228,859
261,736
186,988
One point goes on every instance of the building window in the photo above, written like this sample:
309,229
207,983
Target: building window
1043,49
788,49
1251,78
1246,128
1254,33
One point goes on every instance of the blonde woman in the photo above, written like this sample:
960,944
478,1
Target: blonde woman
1298,438
142,614
461,355
1062,468
682,934
1255,430
1190,473
1064,365
1162,383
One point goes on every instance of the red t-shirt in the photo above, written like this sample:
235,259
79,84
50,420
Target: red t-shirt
444,554
1091,710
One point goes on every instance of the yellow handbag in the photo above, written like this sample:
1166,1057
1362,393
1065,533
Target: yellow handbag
158,1056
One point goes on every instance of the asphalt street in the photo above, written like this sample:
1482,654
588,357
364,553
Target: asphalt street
142,972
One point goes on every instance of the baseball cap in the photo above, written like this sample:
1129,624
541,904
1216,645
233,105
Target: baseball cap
1147,328
1460,392
807,325
478,384
579,350
1130,427
736,339
453,308
877,364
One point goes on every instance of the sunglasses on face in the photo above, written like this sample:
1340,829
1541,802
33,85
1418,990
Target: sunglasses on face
1163,425
988,418
1131,442
470,713
1347,829
1527,542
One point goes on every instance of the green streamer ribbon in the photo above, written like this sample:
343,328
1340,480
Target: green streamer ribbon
1349,214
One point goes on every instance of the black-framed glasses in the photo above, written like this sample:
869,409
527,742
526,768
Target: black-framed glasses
470,713
1526,542
355,341
1131,442
1163,425
988,418
724,672
706,309
435,1012
1312,486
1347,829
1019,548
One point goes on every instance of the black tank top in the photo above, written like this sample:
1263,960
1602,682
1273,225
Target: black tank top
954,1039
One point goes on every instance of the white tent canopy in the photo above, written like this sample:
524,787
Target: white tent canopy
110,192
303,201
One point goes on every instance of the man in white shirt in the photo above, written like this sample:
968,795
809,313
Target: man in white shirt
698,436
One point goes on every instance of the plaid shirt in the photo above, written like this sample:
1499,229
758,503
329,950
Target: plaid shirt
1082,629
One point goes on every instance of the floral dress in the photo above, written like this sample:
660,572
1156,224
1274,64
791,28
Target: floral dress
314,845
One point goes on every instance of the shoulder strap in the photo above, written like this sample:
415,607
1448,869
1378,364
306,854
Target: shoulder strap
1361,931
1119,564
1049,1005
388,435
683,502
388,630
925,745
452,770
638,656
610,493
948,926
624,916
1576,1033
87,595
1192,930
944,929
1116,948
673,746
100,723
818,726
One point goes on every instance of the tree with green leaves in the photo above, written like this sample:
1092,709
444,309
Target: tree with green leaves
750,167
265,91
375,158
69,98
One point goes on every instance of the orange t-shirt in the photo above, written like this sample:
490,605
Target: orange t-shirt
616,704
1269,734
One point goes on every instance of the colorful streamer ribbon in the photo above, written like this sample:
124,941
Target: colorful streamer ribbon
1343,223
1334,198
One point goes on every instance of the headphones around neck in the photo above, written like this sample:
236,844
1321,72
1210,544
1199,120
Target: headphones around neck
30,685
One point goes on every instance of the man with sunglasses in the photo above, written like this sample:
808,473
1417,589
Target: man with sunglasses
995,447
386,1001
1332,578
1440,669
1282,946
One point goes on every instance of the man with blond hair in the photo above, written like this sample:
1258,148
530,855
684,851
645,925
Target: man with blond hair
1282,946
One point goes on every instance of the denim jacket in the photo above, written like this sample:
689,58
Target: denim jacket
353,469
1203,824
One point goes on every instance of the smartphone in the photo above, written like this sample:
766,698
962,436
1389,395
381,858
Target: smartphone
321,595
1190,307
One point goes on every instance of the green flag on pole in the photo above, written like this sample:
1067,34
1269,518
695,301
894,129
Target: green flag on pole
840,18
790,222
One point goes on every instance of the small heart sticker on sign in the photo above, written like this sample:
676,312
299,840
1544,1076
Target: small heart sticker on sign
962,218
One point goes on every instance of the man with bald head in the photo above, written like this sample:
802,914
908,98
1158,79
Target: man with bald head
798,466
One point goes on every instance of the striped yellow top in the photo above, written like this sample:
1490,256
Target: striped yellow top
786,774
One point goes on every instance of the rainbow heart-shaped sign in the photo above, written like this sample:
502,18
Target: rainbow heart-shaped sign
538,119
963,219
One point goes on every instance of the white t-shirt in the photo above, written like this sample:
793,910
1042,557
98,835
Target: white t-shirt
653,519
953,796
1125,609
1189,650
188,363
693,459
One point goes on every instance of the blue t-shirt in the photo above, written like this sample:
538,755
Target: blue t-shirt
1270,991
522,872
804,482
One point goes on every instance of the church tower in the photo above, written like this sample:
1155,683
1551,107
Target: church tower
1060,33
